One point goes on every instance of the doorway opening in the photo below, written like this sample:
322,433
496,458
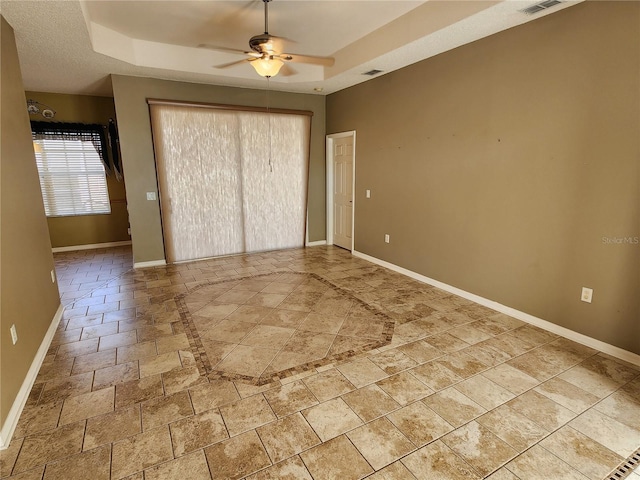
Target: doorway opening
341,168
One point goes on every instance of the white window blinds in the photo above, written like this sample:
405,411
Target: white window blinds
72,178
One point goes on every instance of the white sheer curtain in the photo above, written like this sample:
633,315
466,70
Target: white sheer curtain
230,181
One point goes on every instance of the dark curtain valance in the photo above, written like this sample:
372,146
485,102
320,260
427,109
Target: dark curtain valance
93,133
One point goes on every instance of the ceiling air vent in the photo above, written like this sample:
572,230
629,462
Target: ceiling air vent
373,72
538,7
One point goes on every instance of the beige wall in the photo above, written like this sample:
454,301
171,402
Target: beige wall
86,229
499,167
28,299
130,95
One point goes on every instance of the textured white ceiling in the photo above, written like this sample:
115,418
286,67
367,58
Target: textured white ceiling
68,46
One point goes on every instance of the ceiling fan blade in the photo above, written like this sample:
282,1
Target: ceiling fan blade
224,49
287,71
231,64
294,57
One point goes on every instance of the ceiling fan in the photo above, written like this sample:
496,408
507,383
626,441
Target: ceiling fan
265,55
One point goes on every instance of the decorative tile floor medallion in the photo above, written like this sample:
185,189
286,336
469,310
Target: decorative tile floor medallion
262,328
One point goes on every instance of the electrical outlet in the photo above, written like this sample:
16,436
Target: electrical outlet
587,294
368,193
53,276
14,334
151,195
386,238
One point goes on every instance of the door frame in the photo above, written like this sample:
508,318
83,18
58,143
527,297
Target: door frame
329,176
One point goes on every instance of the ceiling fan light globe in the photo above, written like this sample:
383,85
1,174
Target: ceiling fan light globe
267,67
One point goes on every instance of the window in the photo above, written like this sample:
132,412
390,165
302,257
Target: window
72,174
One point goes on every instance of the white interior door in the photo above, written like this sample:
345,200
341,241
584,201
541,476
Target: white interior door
343,192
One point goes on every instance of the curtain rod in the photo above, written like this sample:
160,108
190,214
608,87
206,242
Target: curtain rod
220,106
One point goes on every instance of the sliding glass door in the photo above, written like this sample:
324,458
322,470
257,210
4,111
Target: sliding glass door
230,181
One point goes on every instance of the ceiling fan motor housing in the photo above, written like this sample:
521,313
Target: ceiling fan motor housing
261,43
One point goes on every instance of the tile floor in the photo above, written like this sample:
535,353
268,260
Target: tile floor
135,386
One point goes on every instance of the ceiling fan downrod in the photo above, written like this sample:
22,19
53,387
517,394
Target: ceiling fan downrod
266,16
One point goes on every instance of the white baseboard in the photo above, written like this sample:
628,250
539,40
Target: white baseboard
316,243
525,317
152,263
11,421
90,246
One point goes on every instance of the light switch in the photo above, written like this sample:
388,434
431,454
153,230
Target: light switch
368,194
151,195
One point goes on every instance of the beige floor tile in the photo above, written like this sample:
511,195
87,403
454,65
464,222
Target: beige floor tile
94,361
141,451
362,372
197,431
479,447
35,474
514,380
540,464
421,351
446,343
393,361
322,323
484,392
130,353
380,442
77,467
332,418
419,423
487,353
542,410
566,394
172,343
435,375
284,318
337,458
49,446
290,398
612,434
214,394
461,364
502,474
117,340
404,388
112,427
38,418
167,409
245,360
193,467
395,471
370,402
159,364
581,452
290,469
535,365
78,348
437,461
469,334
328,384
621,407
514,428
268,336
86,405
180,379
106,377
599,376
237,457
287,437
60,388
247,414
136,391
8,456
455,407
